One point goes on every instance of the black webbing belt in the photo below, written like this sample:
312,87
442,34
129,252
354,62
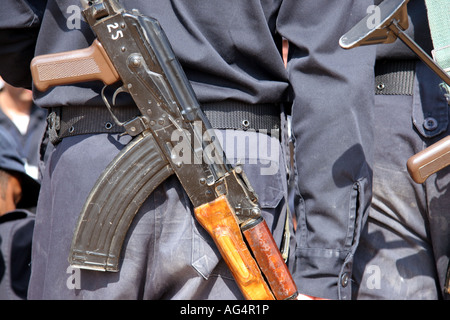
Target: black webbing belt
235,115
70,121
395,77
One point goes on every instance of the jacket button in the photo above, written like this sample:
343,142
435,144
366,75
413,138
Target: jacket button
344,279
430,124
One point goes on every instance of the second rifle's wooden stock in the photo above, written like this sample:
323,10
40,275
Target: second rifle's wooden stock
429,161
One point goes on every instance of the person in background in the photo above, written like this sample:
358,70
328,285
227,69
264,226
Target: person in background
18,193
25,122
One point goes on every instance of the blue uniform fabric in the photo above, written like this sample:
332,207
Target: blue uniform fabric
230,50
16,233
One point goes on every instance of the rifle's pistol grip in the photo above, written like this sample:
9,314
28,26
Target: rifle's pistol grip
75,66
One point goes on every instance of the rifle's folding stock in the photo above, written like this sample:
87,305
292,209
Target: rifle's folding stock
393,20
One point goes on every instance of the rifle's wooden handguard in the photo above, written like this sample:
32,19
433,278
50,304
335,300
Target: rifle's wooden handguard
220,222
269,258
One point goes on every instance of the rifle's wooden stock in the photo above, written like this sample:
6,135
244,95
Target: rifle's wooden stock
220,222
429,160
269,258
87,64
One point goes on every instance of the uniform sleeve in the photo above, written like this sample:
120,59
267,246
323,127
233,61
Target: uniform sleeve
333,96
19,27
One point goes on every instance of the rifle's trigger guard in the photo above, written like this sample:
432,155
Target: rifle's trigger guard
119,90
132,127
108,106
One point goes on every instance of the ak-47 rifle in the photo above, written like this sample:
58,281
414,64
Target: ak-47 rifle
133,48
392,21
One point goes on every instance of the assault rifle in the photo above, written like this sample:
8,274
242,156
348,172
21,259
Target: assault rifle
133,48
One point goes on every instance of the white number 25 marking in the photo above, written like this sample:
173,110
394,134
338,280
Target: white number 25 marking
118,34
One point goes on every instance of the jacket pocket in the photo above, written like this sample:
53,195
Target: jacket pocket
430,107
358,212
